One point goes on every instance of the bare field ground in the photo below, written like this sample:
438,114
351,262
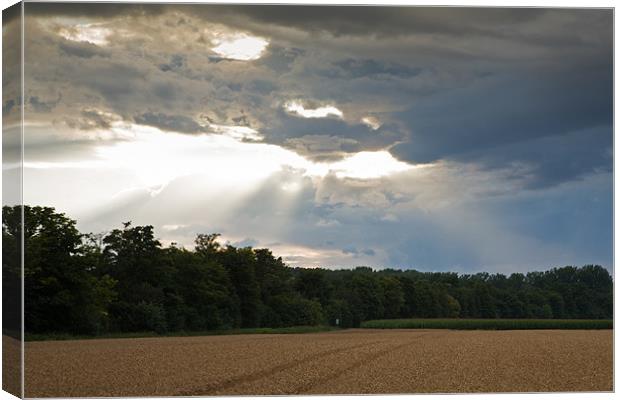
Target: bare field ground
11,361
350,361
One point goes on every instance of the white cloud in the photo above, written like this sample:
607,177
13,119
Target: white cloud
369,165
157,157
326,223
172,227
238,132
372,122
239,46
297,108
291,187
92,33
389,217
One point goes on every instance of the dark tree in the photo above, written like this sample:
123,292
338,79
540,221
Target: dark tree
127,281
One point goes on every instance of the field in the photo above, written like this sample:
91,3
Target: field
347,361
498,324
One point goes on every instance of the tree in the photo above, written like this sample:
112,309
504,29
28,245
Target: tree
364,296
240,266
207,244
204,296
60,293
452,307
11,270
127,281
393,297
313,284
133,257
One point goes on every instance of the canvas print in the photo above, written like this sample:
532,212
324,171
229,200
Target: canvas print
227,199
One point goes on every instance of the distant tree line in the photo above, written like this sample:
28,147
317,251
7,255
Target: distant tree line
126,281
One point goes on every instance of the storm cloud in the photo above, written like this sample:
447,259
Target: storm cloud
413,137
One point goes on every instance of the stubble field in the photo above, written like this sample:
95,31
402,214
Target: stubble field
350,361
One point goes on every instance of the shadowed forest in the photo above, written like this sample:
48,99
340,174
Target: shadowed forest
126,281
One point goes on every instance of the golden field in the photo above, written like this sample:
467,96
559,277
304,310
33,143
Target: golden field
349,361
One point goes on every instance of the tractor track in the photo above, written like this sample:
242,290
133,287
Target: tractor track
343,362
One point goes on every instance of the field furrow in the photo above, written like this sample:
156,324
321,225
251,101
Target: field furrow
350,361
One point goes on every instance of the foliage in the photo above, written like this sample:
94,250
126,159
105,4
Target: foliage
493,324
125,281
32,337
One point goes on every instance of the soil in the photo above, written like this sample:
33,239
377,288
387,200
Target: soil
341,362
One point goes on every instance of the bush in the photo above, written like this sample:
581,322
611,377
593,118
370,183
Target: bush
488,324
294,310
154,317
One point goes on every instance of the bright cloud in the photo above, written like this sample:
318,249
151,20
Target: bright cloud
368,165
157,157
291,187
306,178
238,132
92,33
309,257
372,122
295,107
240,46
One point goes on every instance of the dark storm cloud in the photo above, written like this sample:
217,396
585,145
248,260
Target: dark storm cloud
552,160
338,20
43,106
115,81
328,138
82,50
375,20
11,63
544,116
381,21
90,119
8,106
280,59
356,68
176,61
512,107
455,84
354,251
92,10
174,123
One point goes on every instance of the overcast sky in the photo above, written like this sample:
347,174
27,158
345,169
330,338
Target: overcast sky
443,139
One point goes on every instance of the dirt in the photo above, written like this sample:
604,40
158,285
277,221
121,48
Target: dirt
11,365
342,362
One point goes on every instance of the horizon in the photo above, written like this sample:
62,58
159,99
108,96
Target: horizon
373,268
444,139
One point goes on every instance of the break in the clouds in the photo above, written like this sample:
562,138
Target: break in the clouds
295,107
239,46
459,139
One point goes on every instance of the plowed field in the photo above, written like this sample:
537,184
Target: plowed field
350,361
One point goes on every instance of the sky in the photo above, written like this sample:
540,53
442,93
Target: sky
438,139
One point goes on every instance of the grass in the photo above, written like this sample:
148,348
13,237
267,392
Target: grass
414,323
124,335
488,324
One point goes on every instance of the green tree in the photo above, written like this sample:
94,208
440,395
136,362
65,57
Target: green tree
393,297
204,296
313,284
61,292
11,270
240,265
133,257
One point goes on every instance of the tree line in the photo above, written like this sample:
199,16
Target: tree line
126,281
